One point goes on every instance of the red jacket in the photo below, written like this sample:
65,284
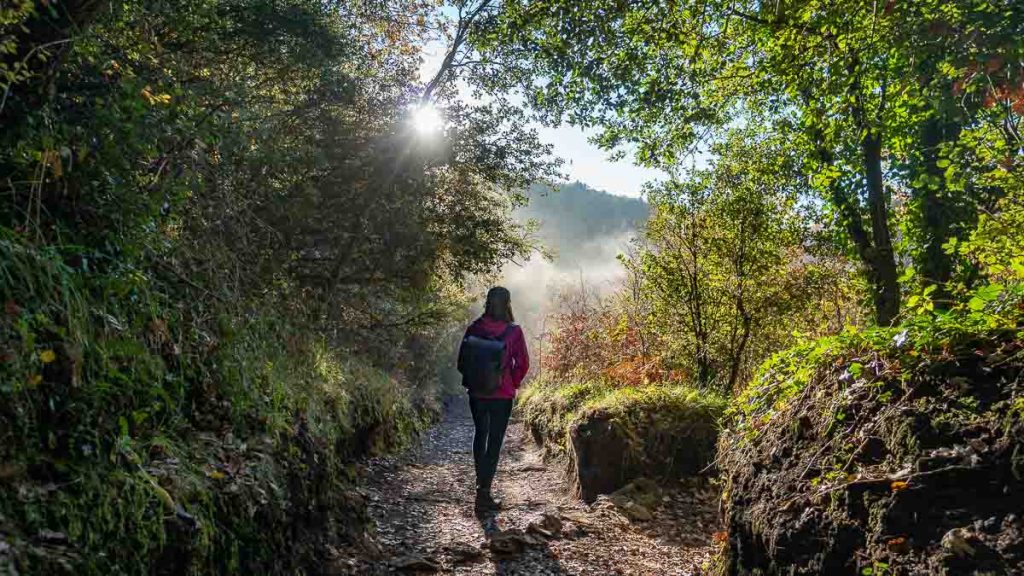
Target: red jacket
517,360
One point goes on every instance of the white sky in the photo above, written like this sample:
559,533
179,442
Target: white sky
584,161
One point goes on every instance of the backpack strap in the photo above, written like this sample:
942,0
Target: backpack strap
508,331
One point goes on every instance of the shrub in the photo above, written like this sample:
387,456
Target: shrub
137,439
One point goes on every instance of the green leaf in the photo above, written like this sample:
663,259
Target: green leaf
1018,267
989,292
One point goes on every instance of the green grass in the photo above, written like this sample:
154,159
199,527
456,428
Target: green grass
550,408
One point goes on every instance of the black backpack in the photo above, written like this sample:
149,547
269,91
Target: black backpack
481,361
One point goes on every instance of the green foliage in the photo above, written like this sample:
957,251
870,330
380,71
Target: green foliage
729,266
728,272
14,67
786,375
917,99
992,296
994,247
107,429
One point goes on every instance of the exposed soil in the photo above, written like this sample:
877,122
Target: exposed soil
923,473
422,505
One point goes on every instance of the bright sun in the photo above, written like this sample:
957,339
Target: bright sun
427,119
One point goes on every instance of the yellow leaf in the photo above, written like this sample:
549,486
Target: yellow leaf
47,356
155,98
898,485
217,475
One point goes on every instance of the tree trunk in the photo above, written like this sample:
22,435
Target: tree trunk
849,209
884,277
935,266
739,350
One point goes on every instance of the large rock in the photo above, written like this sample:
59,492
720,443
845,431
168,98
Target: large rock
600,457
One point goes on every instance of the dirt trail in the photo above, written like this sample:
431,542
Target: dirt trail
421,503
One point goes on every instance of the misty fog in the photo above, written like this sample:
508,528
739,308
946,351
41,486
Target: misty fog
585,230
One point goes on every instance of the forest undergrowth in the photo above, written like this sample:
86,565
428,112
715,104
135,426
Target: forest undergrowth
137,439
901,446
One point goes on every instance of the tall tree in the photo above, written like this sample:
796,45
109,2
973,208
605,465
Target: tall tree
964,101
668,76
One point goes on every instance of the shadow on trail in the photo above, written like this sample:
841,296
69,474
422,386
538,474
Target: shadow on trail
543,563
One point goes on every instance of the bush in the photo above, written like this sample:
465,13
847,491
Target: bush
137,438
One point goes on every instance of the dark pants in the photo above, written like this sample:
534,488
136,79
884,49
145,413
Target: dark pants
490,417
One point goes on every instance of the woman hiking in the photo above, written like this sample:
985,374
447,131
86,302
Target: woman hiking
493,362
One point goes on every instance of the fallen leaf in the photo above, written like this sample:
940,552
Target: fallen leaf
898,485
51,158
898,545
47,356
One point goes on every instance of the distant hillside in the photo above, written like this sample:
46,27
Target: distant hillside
574,216
585,229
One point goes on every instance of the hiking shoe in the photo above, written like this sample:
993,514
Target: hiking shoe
486,502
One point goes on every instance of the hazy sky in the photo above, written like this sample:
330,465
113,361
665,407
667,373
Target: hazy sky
590,165
583,161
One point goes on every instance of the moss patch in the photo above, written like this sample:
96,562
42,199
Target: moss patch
140,436
610,435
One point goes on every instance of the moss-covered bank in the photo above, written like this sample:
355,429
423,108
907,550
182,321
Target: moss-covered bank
141,434
896,451
610,435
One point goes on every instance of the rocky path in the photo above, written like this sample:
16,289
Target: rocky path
422,505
